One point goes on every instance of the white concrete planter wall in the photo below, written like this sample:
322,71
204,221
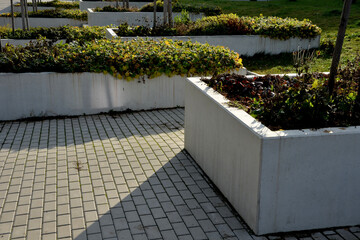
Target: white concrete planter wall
30,8
51,94
22,42
246,45
42,22
132,18
278,181
94,4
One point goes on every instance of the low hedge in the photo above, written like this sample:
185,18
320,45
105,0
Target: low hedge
177,7
231,24
55,4
54,13
70,33
130,59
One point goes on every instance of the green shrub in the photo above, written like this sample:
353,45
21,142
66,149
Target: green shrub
56,4
176,7
53,13
282,28
115,9
70,33
227,24
130,59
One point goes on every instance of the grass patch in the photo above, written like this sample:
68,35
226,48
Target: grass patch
323,13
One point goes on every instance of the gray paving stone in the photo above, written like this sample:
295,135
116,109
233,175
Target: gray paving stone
136,183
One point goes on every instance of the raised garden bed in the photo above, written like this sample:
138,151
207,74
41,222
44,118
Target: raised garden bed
47,18
131,18
157,69
245,35
100,4
278,181
43,22
245,45
18,8
65,33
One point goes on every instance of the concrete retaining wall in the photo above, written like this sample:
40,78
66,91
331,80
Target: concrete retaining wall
51,94
278,181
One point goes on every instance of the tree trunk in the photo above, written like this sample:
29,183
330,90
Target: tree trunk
117,3
127,4
123,1
339,43
22,14
165,8
26,15
154,23
12,16
170,13
34,5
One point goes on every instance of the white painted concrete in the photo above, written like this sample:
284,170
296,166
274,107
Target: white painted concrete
94,4
51,94
22,42
247,45
42,22
278,181
132,18
30,8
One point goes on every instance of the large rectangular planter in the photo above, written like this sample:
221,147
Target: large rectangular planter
42,22
25,95
94,4
132,18
30,8
278,181
246,45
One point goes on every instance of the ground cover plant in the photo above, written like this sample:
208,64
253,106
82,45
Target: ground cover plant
70,33
130,59
56,4
230,24
296,103
53,13
323,13
177,7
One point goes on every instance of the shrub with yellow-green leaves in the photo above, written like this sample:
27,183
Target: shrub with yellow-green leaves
231,24
129,60
70,33
53,13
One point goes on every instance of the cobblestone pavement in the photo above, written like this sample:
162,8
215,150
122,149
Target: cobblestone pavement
122,176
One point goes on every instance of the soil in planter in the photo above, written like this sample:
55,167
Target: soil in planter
283,103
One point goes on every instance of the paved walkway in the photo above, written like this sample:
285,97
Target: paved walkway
122,176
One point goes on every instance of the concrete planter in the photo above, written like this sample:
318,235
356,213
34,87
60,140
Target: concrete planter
51,94
30,8
94,4
42,22
246,45
132,18
278,181
22,42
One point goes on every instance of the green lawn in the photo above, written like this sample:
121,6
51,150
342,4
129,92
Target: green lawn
324,13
